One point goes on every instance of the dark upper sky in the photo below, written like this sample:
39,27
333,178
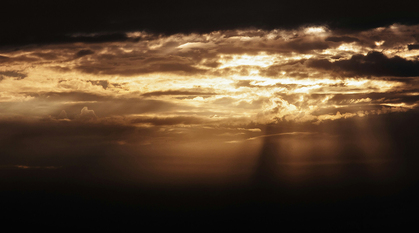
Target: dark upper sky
46,21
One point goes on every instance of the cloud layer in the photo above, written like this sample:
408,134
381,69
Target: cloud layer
222,77
155,101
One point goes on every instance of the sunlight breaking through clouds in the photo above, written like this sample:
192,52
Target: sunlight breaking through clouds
224,77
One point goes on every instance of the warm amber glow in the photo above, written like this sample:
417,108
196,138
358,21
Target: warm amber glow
221,78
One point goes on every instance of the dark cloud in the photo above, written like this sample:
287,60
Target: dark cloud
247,83
243,83
135,64
293,69
103,83
170,120
18,59
46,55
297,44
346,39
67,96
83,53
372,64
12,73
177,92
302,46
74,102
388,97
413,46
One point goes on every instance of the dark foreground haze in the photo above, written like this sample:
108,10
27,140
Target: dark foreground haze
352,175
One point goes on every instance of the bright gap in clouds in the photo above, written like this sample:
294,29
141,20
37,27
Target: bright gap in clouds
261,60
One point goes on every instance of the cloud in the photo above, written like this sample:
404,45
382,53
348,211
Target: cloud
67,96
103,83
111,64
282,134
302,46
256,75
62,115
159,121
178,92
12,73
413,46
219,53
51,103
83,53
372,64
346,39
87,114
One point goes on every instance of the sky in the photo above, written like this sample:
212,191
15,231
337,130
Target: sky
281,103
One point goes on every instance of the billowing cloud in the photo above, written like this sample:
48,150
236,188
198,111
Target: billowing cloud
229,77
87,114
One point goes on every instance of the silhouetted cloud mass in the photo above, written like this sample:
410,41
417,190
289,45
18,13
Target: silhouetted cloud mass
372,64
